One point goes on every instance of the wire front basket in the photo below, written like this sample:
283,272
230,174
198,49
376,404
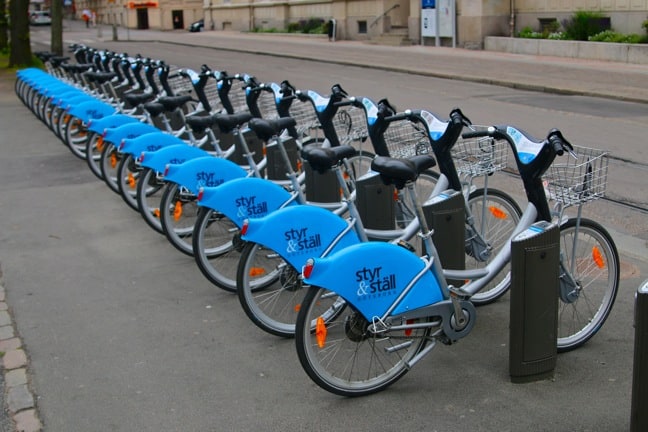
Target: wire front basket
476,157
580,179
350,124
179,84
304,114
405,139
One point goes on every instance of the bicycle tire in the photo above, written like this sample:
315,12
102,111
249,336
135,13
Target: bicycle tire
269,290
94,146
596,270
150,189
503,214
109,162
76,136
128,173
178,216
351,362
217,248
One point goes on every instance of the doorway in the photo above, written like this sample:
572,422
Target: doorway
142,19
178,19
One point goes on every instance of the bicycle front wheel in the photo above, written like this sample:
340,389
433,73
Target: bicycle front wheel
589,257
341,355
178,216
495,215
217,247
269,289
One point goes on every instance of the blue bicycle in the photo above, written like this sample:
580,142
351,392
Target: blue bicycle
375,309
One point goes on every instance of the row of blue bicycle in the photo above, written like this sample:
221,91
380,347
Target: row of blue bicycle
316,210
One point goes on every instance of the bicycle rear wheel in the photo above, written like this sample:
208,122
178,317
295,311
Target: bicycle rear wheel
128,173
109,162
269,289
340,355
590,256
495,216
217,248
94,146
178,216
150,189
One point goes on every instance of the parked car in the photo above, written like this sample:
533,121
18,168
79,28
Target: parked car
197,26
40,18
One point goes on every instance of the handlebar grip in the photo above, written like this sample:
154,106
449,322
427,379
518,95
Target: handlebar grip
397,117
558,142
475,134
344,103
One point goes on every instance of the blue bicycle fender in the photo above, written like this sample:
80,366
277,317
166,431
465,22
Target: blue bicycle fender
127,131
203,172
371,276
91,110
72,100
173,154
99,126
148,142
245,198
300,232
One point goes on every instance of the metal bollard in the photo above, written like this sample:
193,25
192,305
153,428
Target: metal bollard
533,330
639,410
446,215
375,202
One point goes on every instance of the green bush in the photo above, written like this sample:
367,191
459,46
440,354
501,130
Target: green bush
584,24
612,36
528,33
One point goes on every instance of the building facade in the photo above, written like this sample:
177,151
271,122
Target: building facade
364,19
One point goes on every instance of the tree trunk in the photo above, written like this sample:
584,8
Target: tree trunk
4,37
20,53
56,11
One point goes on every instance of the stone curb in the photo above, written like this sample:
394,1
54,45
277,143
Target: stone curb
19,399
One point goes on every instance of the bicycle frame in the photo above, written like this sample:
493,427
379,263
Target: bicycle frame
403,285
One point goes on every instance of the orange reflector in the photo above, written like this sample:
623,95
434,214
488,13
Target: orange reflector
297,307
320,332
597,256
100,143
299,165
156,213
177,211
113,160
395,195
131,181
498,213
408,332
257,271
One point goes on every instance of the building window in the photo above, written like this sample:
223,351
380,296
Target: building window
362,27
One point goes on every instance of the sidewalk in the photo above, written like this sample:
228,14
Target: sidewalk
619,81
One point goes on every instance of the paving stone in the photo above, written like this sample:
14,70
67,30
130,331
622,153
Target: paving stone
14,359
5,318
10,344
3,306
7,332
19,398
16,377
27,421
